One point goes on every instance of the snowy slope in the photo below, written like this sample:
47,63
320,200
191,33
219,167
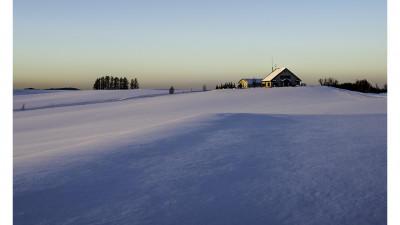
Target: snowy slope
40,99
306,155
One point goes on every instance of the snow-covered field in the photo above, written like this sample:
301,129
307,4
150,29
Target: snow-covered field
304,155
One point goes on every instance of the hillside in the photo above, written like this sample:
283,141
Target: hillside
304,155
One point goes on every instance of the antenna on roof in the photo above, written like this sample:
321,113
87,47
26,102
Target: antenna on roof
272,64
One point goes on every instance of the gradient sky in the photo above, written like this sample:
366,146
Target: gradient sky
69,43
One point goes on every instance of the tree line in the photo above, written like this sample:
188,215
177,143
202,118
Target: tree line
228,85
115,83
359,85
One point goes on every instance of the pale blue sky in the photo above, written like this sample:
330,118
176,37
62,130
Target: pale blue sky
191,43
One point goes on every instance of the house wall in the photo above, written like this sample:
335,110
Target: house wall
288,75
278,80
266,84
244,84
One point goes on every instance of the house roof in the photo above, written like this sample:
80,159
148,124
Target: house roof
275,73
250,80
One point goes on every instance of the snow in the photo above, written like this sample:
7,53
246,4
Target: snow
304,155
39,99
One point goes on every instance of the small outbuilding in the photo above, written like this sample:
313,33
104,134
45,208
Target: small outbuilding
250,82
281,77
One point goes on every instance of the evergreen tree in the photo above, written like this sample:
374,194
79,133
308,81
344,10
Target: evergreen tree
116,83
136,84
112,83
96,85
125,83
107,82
121,83
131,85
102,83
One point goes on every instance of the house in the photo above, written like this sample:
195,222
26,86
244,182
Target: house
245,83
281,77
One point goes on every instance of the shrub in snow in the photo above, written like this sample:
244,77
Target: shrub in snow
171,90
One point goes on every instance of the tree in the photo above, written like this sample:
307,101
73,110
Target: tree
171,90
359,85
131,85
328,82
107,83
96,85
204,87
112,83
134,84
121,83
116,83
102,83
124,84
363,86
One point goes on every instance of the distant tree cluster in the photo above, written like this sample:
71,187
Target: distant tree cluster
328,82
115,83
228,85
134,84
359,85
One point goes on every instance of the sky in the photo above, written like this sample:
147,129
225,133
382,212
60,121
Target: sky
187,44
